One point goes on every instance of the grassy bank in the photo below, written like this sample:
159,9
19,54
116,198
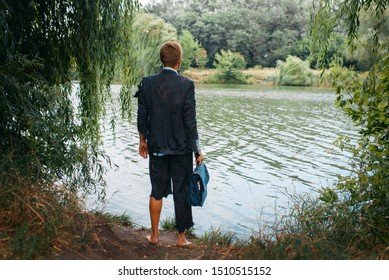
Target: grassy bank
40,224
255,76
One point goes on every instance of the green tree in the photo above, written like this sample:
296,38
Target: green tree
229,67
190,48
147,34
362,58
201,58
43,137
49,147
365,100
262,31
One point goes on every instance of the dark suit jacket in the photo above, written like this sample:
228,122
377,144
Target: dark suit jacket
167,113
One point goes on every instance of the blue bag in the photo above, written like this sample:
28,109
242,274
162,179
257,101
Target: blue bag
197,191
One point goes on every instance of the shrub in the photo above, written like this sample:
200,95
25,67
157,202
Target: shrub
36,220
324,227
294,72
201,58
366,101
229,67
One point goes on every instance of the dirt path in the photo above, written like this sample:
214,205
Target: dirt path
118,242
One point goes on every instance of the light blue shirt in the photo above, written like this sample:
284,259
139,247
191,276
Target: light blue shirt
169,68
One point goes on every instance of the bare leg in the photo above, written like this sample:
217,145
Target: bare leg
155,207
182,240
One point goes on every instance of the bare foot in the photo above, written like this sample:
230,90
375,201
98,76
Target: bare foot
183,242
152,240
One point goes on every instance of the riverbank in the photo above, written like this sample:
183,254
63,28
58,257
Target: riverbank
113,240
80,235
106,239
50,223
46,229
264,76
255,76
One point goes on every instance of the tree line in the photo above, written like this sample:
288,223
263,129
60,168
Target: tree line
263,31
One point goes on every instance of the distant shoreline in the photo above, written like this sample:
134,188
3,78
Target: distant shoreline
256,76
264,76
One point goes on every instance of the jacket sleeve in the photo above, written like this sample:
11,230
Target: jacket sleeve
189,116
143,113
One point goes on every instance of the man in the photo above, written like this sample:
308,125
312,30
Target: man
168,134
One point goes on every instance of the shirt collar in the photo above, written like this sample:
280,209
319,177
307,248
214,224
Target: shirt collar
169,68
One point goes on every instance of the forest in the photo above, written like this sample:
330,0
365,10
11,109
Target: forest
263,31
51,149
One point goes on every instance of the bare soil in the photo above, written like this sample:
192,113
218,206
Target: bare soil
113,241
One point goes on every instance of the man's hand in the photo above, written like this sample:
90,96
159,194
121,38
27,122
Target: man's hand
143,149
199,158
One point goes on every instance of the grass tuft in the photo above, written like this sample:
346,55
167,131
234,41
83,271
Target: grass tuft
218,237
123,219
169,224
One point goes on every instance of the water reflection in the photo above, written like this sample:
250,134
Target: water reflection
258,145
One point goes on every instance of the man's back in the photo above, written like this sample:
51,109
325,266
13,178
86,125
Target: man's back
166,113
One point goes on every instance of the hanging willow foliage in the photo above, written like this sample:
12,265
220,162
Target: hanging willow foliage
366,102
43,42
148,32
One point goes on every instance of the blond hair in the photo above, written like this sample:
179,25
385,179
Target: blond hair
170,53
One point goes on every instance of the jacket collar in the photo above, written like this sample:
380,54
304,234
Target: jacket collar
168,70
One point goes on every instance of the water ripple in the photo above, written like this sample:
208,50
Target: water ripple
258,145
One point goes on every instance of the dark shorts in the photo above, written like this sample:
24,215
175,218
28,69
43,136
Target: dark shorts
170,174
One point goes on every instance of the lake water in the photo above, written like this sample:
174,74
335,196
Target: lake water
259,144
